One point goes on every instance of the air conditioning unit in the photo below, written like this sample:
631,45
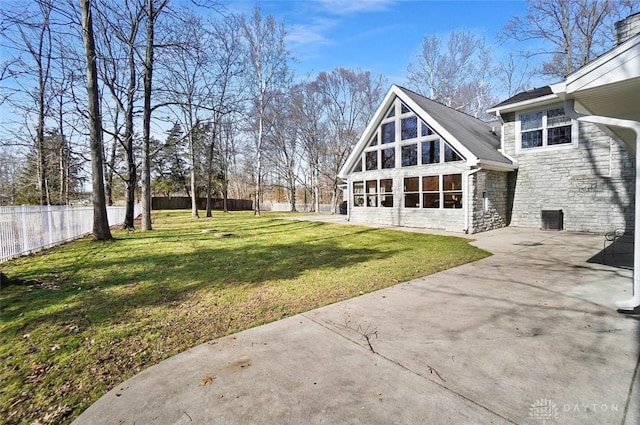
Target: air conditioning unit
552,220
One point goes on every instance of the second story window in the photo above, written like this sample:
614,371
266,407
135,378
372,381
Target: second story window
544,128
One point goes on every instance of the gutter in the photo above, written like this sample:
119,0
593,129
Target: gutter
569,107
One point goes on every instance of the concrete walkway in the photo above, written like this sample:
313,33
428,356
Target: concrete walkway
527,336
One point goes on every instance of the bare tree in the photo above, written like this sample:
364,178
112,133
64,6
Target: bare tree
457,74
349,98
572,32
120,27
100,221
307,113
269,72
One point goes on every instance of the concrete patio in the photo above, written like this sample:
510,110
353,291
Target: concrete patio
529,335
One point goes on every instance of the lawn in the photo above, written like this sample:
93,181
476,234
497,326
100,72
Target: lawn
88,315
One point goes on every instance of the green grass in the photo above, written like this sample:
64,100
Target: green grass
96,313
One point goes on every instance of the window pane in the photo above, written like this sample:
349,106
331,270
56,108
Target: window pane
358,194
450,155
372,193
452,182
431,152
388,158
430,200
425,130
453,200
531,121
411,184
358,166
392,111
389,132
531,139
371,160
431,184
409,155
374,140
404,108
556,117
412,200
409,128
386,193
559,135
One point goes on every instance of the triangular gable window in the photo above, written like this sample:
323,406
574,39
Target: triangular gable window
392,111
450,154
404,109
426,130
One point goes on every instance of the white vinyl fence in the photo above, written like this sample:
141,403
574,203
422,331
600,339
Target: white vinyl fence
27,229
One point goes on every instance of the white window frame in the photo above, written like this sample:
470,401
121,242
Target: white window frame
575,134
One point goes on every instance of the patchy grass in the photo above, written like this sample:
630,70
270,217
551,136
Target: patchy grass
91,314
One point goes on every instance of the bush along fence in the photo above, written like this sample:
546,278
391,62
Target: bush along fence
26,229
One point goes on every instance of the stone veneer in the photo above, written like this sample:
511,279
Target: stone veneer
593,183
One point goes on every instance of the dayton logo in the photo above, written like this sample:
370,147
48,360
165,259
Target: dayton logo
544,410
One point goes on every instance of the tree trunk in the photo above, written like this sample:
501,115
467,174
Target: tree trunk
146,117
101,230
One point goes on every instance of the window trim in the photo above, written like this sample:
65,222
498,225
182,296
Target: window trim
575,134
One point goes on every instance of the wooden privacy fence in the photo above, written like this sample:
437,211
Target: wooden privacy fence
184,203
28,228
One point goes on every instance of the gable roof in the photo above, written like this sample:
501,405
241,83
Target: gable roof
470,136
526,95
474,134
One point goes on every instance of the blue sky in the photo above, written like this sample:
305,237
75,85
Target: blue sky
378,35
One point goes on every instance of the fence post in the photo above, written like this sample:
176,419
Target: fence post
25,234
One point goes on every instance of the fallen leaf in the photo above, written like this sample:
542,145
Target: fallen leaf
206,380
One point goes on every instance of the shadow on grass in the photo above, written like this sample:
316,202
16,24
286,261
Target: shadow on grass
140,280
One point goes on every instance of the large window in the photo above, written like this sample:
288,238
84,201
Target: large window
452,190
549,127
410,155
403,134
440,191
388,158
358,194
431,152
431,192
372,193
371,160
411,192
386,192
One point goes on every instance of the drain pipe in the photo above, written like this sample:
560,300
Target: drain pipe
569,105
467,195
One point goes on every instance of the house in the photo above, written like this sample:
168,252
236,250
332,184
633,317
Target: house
565,157
422,164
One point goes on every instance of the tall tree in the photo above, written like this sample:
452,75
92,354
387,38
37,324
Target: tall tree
268,73
570,33
120,27
350,97
153,8
456,73
100,221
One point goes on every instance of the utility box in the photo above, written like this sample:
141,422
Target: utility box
552,220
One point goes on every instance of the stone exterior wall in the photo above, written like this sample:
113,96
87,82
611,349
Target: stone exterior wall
489,207
443,219
593,183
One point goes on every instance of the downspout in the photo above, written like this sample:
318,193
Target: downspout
349,200
569,105
467,198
